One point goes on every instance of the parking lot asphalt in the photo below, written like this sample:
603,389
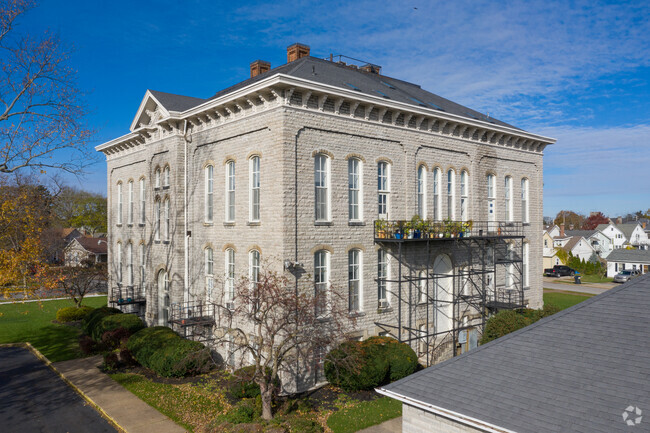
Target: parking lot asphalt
33,398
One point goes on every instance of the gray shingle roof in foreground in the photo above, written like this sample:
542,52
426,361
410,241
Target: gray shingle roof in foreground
625,255
574,371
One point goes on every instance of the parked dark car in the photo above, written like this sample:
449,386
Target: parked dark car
559,271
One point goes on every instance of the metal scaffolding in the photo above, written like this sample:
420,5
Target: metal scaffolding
129,299
193,320
439,313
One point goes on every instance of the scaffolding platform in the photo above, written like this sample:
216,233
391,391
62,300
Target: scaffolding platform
193,320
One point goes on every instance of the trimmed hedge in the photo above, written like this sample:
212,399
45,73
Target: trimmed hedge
93,318
70,314
505,322
129,322
163,351
402,360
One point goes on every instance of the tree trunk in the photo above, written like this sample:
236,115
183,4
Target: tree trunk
266,391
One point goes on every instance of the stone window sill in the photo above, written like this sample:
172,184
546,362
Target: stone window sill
323,223
228,223
356,223
254,223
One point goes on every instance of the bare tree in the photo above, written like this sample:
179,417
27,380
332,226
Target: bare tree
78,281
273,326
41,110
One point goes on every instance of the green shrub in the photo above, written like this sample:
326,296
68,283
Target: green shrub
93,318
114,339
402,360
355,366
504,322
163,351
129,322
245,387
111,360
70,314
243,412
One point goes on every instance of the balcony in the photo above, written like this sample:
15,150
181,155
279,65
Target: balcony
127,295
428,230
192,314
505,299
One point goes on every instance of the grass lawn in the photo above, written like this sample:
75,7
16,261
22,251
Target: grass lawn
588,279
565,300
364,414
32,322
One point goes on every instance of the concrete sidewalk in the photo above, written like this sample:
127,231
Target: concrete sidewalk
391,426
123,408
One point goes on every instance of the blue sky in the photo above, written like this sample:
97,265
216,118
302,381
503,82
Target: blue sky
576,71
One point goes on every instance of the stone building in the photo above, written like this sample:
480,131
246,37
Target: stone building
297,163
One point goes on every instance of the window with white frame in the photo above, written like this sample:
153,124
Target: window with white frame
119,203
143,267
507,193
209,271
168,226
422,191
464,195
164,301
382,278
118,263
354,190
166,177
254,277
230,191
156,223
525,265
157,178
322,187
254,211
437,203
129,264
354,280
451,194
229,290
143,201
383,188
208,196
422,287
131,203
510,269
524,200
321,282
491,197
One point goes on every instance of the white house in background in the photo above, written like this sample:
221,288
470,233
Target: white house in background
579,247
597,239
553,231
622,259
549,252
614,233
635,234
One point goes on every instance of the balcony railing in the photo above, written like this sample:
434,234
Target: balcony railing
505,299
125,295
192,314
443,230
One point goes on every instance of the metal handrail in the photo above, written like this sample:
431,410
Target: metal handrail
427,229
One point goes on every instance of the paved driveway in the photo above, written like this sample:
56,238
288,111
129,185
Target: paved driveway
34,399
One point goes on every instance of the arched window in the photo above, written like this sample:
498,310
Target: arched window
209,193
355,280
166,176
422,191
230,191
524,200
119,203
422,287
163,298
157,178
383,275
209,271
254,266
491,198
437,203
464,195
507,193
167,207
131,203
156,224
229,292
254,194
451,187
321,282
129,264
322,187
383,188
355,182
118,263
143,202
525,265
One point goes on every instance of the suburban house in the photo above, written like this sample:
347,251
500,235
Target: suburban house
583,369
82,249
601,244
549,252
635,234
321,163
614,233
628,259
579,247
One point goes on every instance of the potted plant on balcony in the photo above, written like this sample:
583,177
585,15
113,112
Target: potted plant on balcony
417,226
398,230
380,228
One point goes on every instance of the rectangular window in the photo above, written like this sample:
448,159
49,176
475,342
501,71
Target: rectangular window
525,266
143,264
209,272
119,263
451,208
131,204
157,179
383,188
255,188
230,191
491,200
167,219
209,193
119,203
156,224
321,187
354,280
464,195
229,291
524,200
437,213
382,277
508,197
166,177
354,189
422,191
129,264
422,287
321,282
143,202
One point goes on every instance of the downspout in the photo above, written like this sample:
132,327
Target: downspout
186,286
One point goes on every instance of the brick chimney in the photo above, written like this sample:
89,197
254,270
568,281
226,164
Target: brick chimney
297,51
259,67
562,230
371,69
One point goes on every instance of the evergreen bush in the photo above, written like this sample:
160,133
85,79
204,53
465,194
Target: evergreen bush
402,360
92,319
354,366
129,322
70,314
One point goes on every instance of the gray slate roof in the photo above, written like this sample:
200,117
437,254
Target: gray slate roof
627,229
624,255
584,233
334,74
575,371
